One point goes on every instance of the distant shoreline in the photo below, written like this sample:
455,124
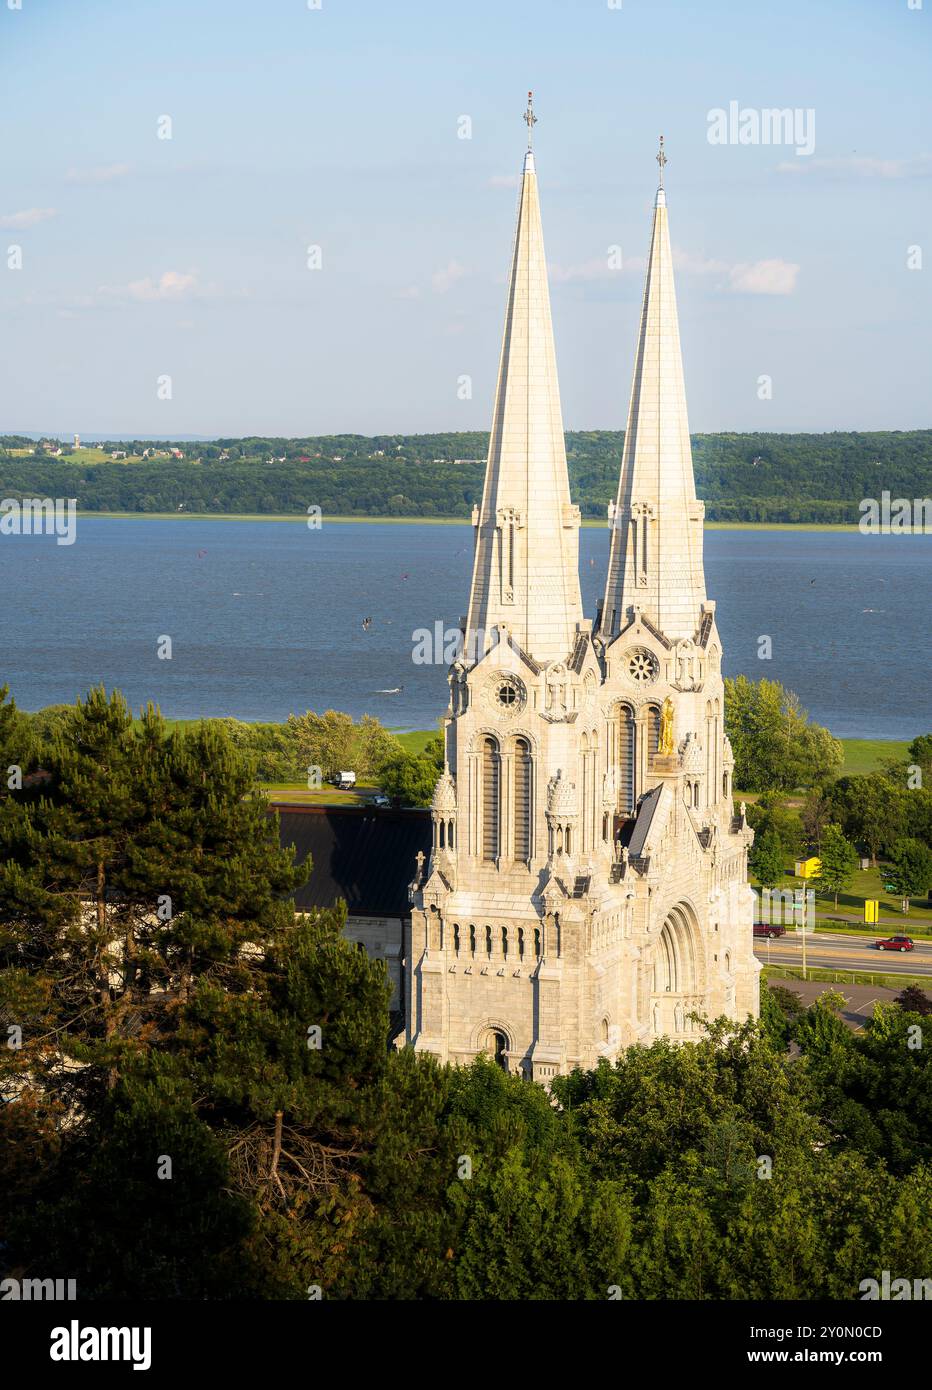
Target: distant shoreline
588,522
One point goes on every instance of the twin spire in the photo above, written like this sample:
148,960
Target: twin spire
525,572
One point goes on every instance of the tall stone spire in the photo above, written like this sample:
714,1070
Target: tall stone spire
525,573
655,560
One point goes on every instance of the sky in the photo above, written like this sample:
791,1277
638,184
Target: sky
164,286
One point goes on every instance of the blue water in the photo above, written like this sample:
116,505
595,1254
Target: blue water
266,617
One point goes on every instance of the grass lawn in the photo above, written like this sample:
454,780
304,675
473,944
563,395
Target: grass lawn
298,794
846,977
415,740
869,754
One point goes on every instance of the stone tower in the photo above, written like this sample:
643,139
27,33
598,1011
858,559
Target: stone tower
587,886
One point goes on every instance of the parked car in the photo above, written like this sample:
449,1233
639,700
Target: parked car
381,800
769,929
895,943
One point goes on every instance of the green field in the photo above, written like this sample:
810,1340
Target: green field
870,754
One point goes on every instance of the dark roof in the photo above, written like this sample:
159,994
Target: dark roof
647,808
362,854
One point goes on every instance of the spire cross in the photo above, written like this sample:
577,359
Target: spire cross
530,119
661,160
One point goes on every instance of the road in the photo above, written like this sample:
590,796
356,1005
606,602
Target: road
831,951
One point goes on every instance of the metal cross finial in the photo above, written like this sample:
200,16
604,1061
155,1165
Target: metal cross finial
529,117
661,160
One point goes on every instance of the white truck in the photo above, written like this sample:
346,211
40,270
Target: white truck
346,781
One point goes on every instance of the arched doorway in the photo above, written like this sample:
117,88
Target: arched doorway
495,1045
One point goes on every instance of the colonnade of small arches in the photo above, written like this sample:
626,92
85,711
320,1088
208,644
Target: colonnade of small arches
496,940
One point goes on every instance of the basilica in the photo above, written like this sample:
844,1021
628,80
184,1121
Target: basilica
586,881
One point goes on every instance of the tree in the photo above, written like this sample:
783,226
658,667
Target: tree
332,742
911,869
871,810
774,743
816,814
913,1000
767,859
769,813
920,753
838,861
412,777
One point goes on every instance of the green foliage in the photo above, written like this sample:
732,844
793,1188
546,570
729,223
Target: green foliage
769,815
743,477
767,858
775,745
722,1168
334,743
412,776
871,810
837,862
914,1000
910,869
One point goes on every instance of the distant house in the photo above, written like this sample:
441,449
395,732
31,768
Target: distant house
176,453
118,454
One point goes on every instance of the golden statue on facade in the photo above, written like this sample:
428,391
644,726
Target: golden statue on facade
665,743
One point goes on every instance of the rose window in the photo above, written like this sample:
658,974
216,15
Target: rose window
642,665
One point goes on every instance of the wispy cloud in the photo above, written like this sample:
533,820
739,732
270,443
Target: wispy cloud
504,181
444,279
103,173
16,221
854,166
742,277
171,285
764,277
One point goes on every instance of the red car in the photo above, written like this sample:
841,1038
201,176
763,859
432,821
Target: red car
895,943
769,929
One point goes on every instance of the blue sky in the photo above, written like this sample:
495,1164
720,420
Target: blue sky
338,127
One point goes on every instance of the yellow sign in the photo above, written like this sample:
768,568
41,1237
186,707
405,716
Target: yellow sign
871,909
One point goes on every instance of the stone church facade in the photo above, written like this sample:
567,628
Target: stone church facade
586,886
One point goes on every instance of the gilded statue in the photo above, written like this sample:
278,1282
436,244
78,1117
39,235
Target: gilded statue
665,744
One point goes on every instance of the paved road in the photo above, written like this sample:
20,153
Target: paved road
829,951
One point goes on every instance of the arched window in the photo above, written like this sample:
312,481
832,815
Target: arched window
472,939
522,766
504,943
521,943
496,1045
456,938
537,941
623,738
603,1030
488,942
653,729
491,798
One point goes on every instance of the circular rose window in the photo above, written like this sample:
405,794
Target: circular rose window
642,665
508,694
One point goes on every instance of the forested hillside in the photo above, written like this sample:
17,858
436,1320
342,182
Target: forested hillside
742,477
